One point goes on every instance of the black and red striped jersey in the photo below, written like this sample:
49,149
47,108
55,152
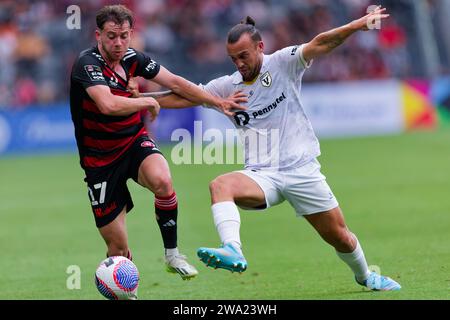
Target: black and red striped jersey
102,139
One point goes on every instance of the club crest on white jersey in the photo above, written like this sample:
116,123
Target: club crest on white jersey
266,79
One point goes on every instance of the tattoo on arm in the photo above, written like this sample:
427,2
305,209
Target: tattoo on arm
331,39
334,38
334,42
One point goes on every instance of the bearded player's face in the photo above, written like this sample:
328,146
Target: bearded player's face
246,55
114,39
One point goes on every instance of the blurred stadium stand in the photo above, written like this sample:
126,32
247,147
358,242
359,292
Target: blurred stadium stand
388,81
187,36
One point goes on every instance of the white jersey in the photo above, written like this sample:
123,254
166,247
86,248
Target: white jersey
275,131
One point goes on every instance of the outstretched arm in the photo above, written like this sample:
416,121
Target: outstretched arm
327,41
194,93
174,101
170,100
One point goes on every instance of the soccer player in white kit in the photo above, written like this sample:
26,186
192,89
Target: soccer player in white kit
280,148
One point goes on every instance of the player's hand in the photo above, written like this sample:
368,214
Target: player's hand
133,86
153,108
232,103
370,20
239,97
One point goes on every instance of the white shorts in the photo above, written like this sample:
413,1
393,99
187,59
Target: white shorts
305,188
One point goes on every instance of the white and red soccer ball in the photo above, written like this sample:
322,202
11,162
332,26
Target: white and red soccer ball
117,278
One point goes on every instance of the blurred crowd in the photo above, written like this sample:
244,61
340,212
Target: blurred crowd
188,36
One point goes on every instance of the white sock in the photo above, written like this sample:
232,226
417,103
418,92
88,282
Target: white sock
228,222
171,252
356,261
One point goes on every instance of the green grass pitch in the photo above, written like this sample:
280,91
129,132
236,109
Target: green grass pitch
394,192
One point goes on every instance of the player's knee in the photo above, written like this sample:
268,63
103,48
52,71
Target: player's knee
162,186
219,186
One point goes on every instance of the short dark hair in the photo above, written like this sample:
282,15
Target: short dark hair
246,26
116,13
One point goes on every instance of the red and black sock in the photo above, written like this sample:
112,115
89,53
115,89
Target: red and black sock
166,209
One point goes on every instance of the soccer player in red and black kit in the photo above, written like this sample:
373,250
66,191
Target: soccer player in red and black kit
112,141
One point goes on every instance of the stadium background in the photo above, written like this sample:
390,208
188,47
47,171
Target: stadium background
380,103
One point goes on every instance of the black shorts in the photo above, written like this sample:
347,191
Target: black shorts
107,186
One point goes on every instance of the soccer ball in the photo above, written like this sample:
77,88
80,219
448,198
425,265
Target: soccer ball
117,278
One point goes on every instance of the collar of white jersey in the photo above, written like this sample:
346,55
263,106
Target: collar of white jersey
237,77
